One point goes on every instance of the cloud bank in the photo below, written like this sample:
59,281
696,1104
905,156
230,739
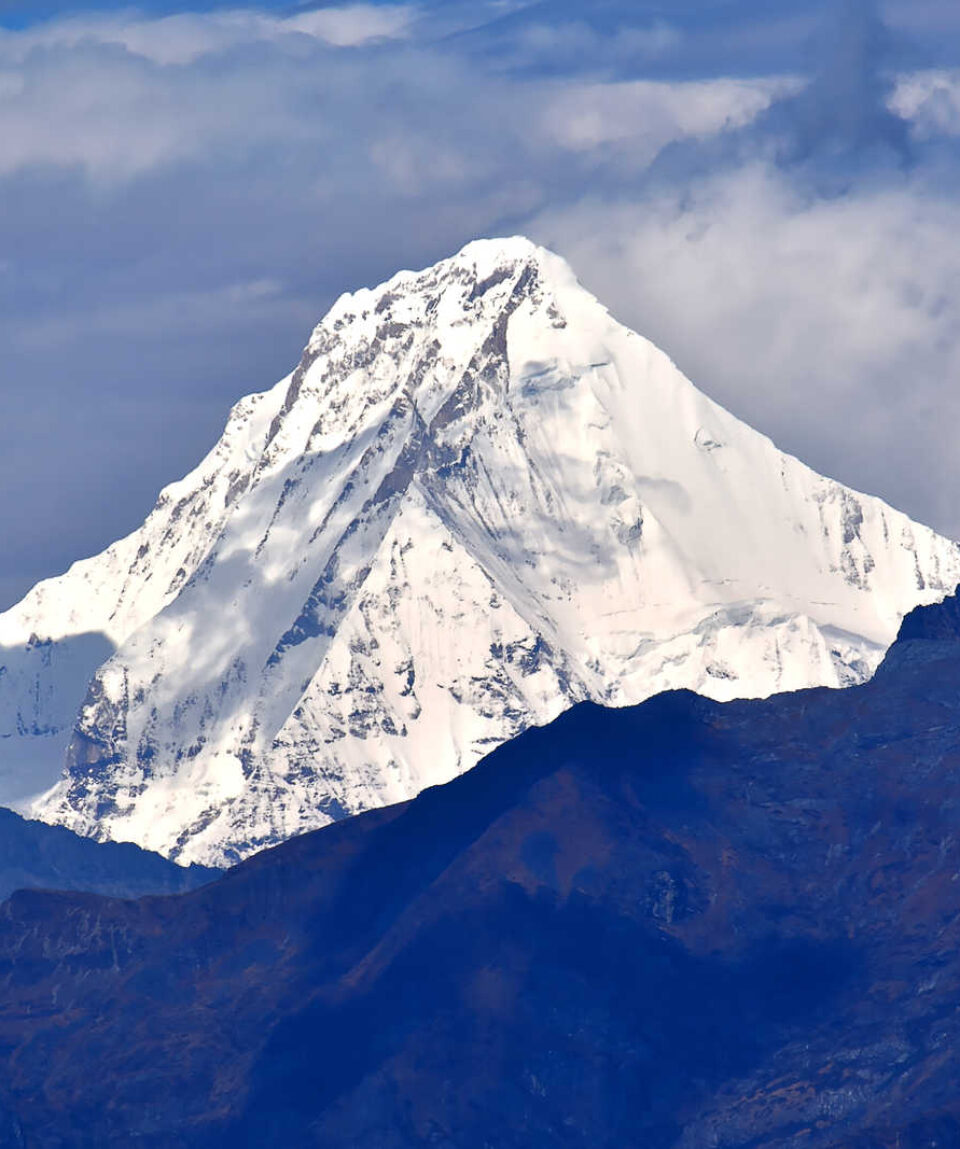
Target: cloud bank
181,196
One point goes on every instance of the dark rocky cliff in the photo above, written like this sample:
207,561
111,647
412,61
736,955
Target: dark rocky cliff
683,925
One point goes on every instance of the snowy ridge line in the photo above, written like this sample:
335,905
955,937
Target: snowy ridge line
477,500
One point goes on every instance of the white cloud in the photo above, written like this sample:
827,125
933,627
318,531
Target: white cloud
645,116
832,324
118,99
181,197
354,25
931,101
184,38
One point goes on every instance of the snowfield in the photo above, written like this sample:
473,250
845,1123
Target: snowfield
477,500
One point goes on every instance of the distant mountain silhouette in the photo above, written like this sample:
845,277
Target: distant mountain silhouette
684,924
36,856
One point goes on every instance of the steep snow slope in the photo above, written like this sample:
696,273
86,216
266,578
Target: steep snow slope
476,500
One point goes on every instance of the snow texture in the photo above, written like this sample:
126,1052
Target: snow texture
477,500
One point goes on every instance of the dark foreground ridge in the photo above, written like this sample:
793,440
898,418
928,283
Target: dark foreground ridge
34,855
680,925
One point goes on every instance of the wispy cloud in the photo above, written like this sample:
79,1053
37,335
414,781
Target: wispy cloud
186,37
832,323
930,102
802,266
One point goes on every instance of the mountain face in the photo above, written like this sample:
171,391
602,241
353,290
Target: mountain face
476,501
34,855
679,925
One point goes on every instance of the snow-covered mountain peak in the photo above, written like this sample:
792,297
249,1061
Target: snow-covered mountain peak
476,500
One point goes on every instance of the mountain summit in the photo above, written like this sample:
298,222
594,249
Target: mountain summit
477,500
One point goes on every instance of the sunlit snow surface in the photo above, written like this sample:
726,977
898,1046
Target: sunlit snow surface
477,500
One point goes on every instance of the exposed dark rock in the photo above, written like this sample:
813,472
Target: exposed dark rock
940,623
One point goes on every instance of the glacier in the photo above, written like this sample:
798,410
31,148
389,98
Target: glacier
477,500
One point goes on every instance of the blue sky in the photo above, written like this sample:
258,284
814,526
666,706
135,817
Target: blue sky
769,191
